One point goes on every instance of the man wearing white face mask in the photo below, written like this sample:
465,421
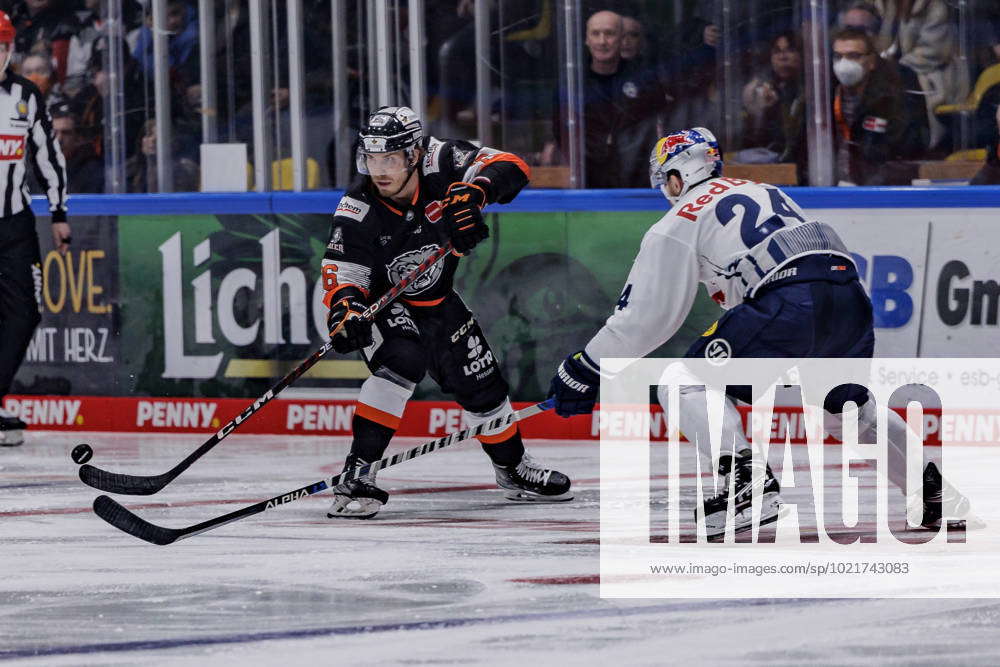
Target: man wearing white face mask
868,114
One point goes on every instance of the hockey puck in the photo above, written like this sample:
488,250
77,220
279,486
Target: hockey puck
82,453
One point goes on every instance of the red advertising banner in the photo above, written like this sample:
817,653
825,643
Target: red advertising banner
422,419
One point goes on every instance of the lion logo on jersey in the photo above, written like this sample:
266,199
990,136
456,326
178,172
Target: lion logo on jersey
404,264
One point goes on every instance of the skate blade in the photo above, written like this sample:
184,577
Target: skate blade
771,510
11,438
354,508
522,496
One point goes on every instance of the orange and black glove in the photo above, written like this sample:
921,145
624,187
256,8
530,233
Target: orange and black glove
345,314
463,217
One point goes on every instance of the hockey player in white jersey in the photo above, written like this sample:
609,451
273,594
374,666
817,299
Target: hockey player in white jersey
790,289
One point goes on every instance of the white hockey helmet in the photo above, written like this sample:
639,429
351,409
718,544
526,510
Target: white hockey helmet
387,130
693,155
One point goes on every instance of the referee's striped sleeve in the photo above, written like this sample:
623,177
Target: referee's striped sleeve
50,164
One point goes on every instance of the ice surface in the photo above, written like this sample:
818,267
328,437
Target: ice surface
448,574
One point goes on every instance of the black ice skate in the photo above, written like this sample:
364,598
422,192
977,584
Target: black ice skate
529,482
11,429
358,498
942,500
743,490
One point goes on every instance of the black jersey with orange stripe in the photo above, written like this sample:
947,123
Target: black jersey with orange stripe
375,241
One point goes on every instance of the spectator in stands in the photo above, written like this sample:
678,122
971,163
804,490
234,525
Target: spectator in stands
620,105
456,77
187,124
633,38
694,84
921,34
84,167
988,134
182,25
774,127
865,16
37,68
84,44
640,49
88,102
50,22
140,169
868,116
985,35
81,44
316,40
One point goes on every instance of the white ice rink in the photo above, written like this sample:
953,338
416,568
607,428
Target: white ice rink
448,574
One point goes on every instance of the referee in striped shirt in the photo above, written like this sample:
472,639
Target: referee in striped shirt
25,127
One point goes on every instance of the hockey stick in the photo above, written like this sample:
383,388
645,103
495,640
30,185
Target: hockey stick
145,485
124,519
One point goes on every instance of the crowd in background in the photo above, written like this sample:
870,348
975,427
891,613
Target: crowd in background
898,82
897,75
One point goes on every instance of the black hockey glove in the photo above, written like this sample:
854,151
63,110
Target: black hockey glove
575,385
463,217
345,314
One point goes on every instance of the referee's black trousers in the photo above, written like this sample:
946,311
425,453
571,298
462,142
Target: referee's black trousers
20,292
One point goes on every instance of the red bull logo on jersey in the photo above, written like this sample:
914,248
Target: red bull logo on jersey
11,147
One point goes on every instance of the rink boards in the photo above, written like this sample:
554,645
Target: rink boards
422,419
219,295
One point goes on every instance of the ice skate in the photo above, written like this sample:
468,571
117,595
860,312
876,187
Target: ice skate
743,490
358,498
11,429
941,501
529,482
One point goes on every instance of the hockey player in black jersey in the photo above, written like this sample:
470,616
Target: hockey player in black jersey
417,193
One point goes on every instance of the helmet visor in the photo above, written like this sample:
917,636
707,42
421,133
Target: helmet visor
657,177
377,164
657,167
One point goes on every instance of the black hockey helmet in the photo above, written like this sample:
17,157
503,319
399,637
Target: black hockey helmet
387,130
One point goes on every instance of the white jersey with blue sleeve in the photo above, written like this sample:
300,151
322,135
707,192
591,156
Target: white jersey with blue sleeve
732,235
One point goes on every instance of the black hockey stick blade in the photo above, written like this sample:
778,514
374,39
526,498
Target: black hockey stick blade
124,519
115,482
147,485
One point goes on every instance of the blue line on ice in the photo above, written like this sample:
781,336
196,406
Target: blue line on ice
247,638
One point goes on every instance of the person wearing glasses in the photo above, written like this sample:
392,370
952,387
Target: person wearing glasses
869,120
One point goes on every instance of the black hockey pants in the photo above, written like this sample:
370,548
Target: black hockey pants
445,341
20,292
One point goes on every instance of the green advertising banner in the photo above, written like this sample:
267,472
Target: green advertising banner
544,283
223,305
